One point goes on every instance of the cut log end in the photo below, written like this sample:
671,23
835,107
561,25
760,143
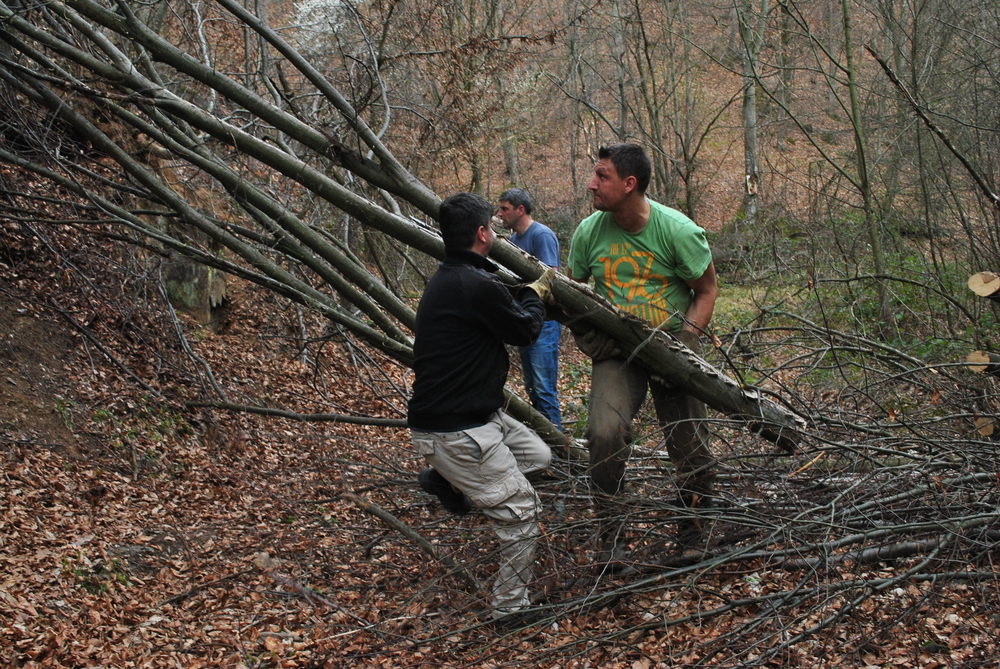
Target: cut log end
985,284
985,426
780,435
981,361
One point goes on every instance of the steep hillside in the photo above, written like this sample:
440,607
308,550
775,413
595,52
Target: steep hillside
34,390
139,527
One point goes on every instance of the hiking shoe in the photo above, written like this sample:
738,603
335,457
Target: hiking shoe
688,534
516,620
432,483
611,560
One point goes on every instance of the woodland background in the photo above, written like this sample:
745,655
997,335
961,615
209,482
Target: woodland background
217,219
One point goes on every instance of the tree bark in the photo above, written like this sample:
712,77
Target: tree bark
661,353
751,40
872,222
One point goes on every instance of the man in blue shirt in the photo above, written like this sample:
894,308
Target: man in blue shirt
540,361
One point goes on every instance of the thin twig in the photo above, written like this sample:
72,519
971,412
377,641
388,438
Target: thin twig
305,417
407,531
201,586
96,342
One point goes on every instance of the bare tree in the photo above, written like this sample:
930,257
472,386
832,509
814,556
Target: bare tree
893,486
322,163
751,21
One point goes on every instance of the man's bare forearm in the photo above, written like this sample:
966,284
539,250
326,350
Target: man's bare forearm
699,312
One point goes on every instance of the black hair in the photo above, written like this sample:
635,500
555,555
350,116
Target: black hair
461,215
516,197
630,160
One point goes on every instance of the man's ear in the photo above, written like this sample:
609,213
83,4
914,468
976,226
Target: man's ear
630,182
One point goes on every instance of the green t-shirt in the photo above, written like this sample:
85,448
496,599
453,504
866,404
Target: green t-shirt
642,273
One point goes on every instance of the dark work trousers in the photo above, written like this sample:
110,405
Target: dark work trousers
617,392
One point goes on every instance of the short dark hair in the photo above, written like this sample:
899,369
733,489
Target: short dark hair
516,197
630,160
461,215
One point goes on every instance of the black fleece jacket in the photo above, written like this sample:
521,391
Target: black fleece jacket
465,318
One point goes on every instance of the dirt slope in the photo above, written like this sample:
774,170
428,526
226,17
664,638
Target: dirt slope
34,393
138,531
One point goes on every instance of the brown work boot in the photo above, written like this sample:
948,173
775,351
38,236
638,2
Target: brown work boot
612,558
696,492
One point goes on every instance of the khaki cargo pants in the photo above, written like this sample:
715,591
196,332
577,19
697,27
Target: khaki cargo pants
489,463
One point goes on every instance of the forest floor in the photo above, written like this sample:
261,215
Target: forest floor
137,530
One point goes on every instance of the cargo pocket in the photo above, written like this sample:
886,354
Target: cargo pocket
423,442
510,498
494,493
484,442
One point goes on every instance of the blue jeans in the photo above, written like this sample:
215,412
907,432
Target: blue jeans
540,364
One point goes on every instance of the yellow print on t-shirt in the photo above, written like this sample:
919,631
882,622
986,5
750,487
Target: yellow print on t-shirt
633,285
652,314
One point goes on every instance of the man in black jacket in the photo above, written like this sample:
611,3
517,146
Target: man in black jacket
478,454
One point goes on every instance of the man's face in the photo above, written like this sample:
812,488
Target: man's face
607,187
508,214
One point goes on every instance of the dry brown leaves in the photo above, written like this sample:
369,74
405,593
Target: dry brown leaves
191,538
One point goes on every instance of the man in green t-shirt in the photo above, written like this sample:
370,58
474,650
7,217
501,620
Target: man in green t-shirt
651,261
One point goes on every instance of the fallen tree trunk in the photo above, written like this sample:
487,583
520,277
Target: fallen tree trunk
304,417
894,551
662,354
182,127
